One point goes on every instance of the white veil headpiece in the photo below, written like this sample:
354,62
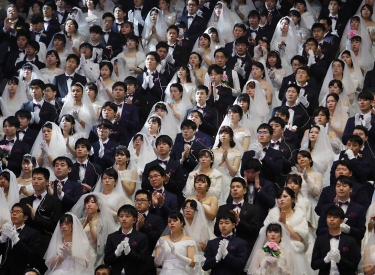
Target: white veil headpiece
57,144
226,122
4,209
13,191
185,102
68,49
258,106
161,26
123,70
146,153
118,190
80,246
224,22
220,36
291,40
83,27
19,97
357,69
35,74
340,116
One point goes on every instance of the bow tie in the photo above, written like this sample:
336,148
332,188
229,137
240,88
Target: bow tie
200,108
21,51
190,17
37,105
334,237
265,149
47,21
96,46
234,205
165,162
19,230
60,12
361,116
159,190
118,24
39,33
21,131
251,31
123,236
188,142
69,77
62,182
82,165
343,203
171,46
37,197
291,107
225,238
107,32
273,144
10,141
119,105
137,9
333,17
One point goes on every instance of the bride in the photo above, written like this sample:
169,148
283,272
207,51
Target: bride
68,250
154,30
14,95
178,100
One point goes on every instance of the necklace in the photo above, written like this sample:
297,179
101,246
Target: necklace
178,239
29,179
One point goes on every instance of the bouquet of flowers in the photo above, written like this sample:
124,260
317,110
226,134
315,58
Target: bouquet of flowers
272,248
224,80
351,34
4,151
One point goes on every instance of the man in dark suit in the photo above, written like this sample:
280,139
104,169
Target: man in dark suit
203,138
189,145
328,195
105,148
329,37
64,81
254,32
24,132
15,55
178,54
11,25
67,191
60,14
195,24
279,143
297,61
109,39
137,14
18,244
342,255
83,171
39,34
119,13
17,148
247,214
339,19
167,63
99,52
40,110
259,192
227,254
274,15
150,225
210,122
163,201
363,133
174,182
126,249
272,160
50,24
32,49
239,30
290,135
355,213
45,213
50,96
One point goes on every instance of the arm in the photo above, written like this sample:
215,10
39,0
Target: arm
238,261
49,223
211,214
209,254
350,265
317,259
129,187
233,168
250,226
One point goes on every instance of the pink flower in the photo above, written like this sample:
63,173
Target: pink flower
273,246
352,33
224,77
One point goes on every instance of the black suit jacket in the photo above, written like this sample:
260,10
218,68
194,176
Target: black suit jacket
56,17
180,55
248,226
197,27
93,172
15,259
72,192
62,87
349,253
19,149
139,100
29,137
108,158
170,204
156,93
210,121
369,83
131,262
232,264
36,62
20,25
113,40
47,113
130,120
300,119
118,134
46,35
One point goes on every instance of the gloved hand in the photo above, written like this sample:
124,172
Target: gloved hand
200,50
146,80
311,60
304,175
101,150
139,18
368,122
44,148
119,249
335,256
240,70
345,228
159,259
328,257
303,100
11,233
218,255
223,248
36,117
257,148
127,248
75,114
4,237
64,251
184,260
350,154
170,59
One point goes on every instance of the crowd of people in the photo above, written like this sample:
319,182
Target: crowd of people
187,137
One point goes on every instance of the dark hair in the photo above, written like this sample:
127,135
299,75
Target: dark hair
316,127
111,173
240,25
83,141
41,171
283,111
164,139
61,37
327,19
188,76
215,68
199,57
312,39
66,218
202,87
178,86
96,29
305,154
162,44
138,135
254,13
253,164
74,23
226,215
145,192
365,96
278,59
37,18
173,27
198,113
128,209
73,56
29,159
119,7
318,26
111,105
104,266
134,38
67,160
88,198
241,41
344,180
306,69
362,128
323,110
202,178
293,178
122,150
193,204
335,97
158,169
13,80
161,105
104,123
189,124
155,55
51,5
346,163
6,175
131,80
54,52
336,211
205,152
39,83
214,30
12,121
23,114
298,58
108,14
26,211
180,24
33,44
338,83
69,118
92,86
174,215
294,12
277,120
260,66
290,192
240,180
355,139
229,131
108,64
235,109
274,227
341,62
244,97
222,50
369,7
267,127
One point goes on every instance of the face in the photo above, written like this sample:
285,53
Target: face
215,77
4,183
24,122
241,49
194,60
108,113
334,89
273,236
264,136
126,220
205,160
39,183
203,42
354,24
154,17
235,117
47,133
201,96
141,203
337,69
189,211
365,12
108,182
218,10
220,59
310,46
313,134
172,35
294,186
251,174
195,117
71,64
36,9
163,5
26,166
187,132
192,7
66,228
58,44
102,271
238,32
237,191
17,216
103,132
364,105
131,44
51,59
320,119
156,179
356,45
257,72
291,94
81,150
77,93
213,36
333,7
294,18
118,92
9,129
38,27
285,201
163,148
342,170
151,62
226,226
47,11
272,60
284,26
138,143
302,76
27,73
162,52
225,137
105,72
91,206
331,103
270,4
126,29
296,65
244,105
277,129
12,87
302,161
69,26
175,225
21,42
347,59
354,146
343,190
118,13
61,168
300,7
333,222
250,91
175,93
360,133
12,13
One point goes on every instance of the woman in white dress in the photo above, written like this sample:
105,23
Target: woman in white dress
259,74
105,82
196,226
71,135
367,12
196,71
294,220
169,17
302,33
10,187
275,72
94,17
248,122
178,101
24,181
68,251
71,31
307,18
92,91
338,116
206,160
48,145
52,67
78,105
141,152
14,95
127,173
285,41
134,56
368,260
27,73
83,27
258,107
184,78
120,69
215,38
111,188
209,203
242,8
227,159
97,223
262,263
206,49
63,46
154,30
175,251
356,72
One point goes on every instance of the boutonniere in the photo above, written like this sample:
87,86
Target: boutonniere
136,101
149,225
345,249
171,171
89,172
114,133
245,213
299,116
156,79
232,247
352,215
68,191
282,149
134,243
207,115
246,64
200,139
127,113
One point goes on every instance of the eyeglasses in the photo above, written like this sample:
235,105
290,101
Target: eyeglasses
140,200
154,176
189,208
191,5
262,133
16,211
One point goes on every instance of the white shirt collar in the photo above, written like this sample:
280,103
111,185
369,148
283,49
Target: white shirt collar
40,102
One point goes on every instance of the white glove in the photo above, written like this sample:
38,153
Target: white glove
139,18
303,100
101,150
238,63
119,249
345,228
126,248
150,81
328,257
170,59
218,255
36,117
368,122
184,260
145,81
311,60
159,259
240,70
4,237
257,52
350,154
11,233
223,248
335,256
44,148
257,148
32,117
75,114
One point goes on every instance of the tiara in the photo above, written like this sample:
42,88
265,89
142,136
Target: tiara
209,151
121,147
